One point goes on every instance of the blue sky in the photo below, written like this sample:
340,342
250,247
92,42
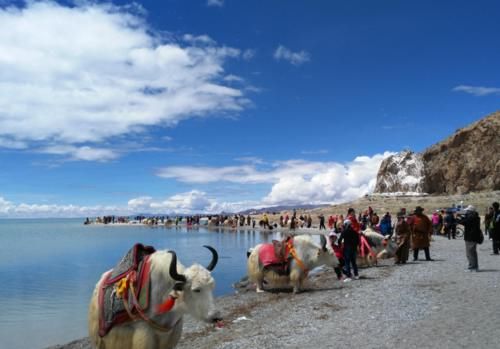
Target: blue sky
202,106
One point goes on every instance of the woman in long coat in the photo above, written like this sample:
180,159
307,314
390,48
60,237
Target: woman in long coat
421,231
403,235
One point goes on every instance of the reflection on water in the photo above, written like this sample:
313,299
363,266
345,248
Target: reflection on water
49,269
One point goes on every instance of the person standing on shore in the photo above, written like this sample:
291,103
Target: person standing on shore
487,220
421,231
435,222
339,253
322,222
351,215
495,228
386,224
403,235
450,225
350,238
472,235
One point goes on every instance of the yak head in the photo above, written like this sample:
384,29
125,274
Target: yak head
195,288
389,248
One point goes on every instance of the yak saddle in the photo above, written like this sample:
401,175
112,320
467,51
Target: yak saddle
276,256
126,284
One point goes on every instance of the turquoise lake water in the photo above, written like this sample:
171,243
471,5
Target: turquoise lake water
49,269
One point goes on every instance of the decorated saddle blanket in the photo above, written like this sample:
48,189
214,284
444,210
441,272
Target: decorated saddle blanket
274,254
135,266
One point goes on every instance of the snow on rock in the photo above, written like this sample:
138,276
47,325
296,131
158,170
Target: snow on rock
401,173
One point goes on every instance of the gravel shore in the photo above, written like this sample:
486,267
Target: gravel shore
417,305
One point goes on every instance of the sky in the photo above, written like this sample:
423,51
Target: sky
203,106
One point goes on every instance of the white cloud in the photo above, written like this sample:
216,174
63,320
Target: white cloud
314,152
84,153
248,54
201,39
12,143
295,58
191,202
477,90
293,181
23,210
218,3
78,76
233,78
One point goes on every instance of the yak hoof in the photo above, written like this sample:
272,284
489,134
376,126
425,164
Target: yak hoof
260,290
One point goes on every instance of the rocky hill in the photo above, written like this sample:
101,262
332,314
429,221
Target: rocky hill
467,161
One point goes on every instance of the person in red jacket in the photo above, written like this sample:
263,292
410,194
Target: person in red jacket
339,253
351,215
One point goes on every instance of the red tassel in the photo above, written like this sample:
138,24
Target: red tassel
166,306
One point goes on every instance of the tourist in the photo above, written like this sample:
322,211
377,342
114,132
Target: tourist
339,253
421,231
472,235
309,221
435,222
340,223
331,222
495,228
375,219
350,239
386,224
403,234
450,225
487,220
351,215
321,222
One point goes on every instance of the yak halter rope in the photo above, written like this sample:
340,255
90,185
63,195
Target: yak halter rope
293,252
364,243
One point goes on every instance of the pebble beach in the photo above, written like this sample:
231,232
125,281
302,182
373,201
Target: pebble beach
418,305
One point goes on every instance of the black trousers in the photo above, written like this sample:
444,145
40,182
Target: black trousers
496,245
426,251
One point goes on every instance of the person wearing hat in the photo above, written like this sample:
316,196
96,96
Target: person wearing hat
403,234
472,235
421,231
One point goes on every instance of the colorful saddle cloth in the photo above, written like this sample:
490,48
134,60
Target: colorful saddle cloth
135,265
275,256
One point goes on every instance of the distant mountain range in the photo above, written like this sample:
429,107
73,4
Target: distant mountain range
281,208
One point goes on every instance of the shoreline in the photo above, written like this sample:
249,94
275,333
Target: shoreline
434,304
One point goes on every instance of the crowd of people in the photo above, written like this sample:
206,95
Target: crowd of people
409,231
413,232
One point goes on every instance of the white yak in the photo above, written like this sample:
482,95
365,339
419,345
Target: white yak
308,255
193,288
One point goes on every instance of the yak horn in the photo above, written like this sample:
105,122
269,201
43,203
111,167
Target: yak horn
173,269
215,258
323,242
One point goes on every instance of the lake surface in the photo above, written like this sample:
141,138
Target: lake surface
49,269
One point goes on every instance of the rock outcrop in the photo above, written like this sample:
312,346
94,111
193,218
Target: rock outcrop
402,172
467,161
